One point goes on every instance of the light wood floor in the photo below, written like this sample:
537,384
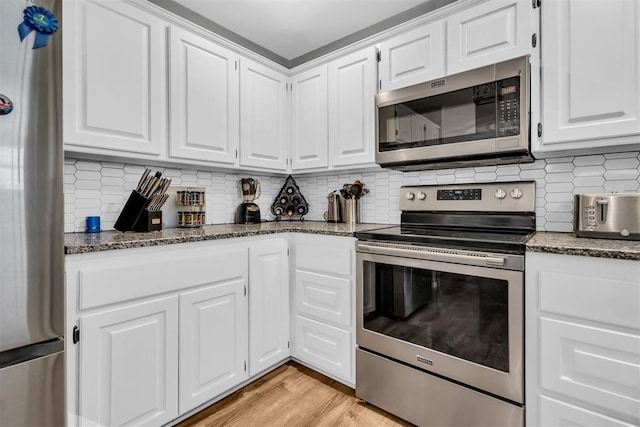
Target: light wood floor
293,395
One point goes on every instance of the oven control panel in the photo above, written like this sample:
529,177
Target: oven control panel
517,196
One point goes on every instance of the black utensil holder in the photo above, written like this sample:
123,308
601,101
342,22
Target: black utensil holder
132,211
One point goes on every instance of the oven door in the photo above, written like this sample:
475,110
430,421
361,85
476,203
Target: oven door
463,322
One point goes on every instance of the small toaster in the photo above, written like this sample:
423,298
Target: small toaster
607,216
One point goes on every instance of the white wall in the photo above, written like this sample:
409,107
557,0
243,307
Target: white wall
101,188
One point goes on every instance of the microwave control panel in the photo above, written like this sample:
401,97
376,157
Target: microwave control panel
508,106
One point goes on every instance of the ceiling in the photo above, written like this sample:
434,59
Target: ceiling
291,32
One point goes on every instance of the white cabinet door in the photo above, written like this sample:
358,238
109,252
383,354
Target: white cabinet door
213,341
204,99
583,334
413,57
263,117
491,32
268,304
309,120
590,73
325,347
129,364
352,88
114,79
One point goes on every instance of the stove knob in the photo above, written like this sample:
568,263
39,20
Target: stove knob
500,194
516,193
410,196
422,196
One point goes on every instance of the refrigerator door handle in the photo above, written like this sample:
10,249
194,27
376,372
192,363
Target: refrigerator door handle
30,352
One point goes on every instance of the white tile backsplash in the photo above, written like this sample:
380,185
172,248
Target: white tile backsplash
101,188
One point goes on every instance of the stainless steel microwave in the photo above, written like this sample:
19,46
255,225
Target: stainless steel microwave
476,118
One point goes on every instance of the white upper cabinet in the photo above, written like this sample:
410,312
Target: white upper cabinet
309,120
490,32
263,117
114,79
590,74
412,57
352,87
204,99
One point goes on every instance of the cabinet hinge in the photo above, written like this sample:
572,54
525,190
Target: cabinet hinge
534,40
245,290
380,84
236,65
76,334
539,130
288,344
378,55
288,252
536,3
236,154
245,366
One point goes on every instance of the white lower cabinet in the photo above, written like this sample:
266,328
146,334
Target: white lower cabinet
582,341
128,360
268,304
162,330
213,341
322,316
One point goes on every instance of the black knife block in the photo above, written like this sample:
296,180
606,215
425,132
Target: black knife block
149,221
135,216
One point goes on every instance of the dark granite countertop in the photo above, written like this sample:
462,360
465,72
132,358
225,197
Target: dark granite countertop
568,244
77,243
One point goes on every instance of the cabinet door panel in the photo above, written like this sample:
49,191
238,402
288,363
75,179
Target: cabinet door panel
213,341
309,127
558,413
269,305
414,57
114,81
263,122
205,99
128,364
324,346
586,43
595,365
491,32
352,87
324,297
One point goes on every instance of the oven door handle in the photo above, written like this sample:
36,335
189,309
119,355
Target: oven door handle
436,255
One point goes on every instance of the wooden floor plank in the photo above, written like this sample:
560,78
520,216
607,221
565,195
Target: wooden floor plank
293,396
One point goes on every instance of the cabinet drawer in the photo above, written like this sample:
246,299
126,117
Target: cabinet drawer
324,346
331,259
597,366
604,295
556,413
323,297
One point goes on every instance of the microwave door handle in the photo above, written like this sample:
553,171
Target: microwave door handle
603,203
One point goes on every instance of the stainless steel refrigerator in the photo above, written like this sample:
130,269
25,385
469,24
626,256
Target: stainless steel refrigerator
32,390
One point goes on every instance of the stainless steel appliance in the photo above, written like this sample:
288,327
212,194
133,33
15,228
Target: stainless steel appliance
475,118
610,216
440,305
32,391
248,212
334,208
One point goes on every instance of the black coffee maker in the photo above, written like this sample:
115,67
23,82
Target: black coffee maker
248,212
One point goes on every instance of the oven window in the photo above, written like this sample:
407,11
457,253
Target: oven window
459,315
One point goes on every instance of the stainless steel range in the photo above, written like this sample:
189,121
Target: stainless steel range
440,306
